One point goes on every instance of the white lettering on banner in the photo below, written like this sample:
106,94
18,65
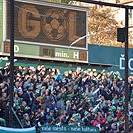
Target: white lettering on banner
122,60
59,128
16,48
71,129
86,129
46,128
76,55
75,128
129,64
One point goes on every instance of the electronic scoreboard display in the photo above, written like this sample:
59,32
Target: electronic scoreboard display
46,30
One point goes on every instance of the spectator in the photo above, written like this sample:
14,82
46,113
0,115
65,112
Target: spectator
73,120
26,121
22,110
50,118
17,101
114,128
3,105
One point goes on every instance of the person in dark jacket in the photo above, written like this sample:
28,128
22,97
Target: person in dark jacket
26,121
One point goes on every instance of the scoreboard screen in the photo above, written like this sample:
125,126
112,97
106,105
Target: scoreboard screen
50,27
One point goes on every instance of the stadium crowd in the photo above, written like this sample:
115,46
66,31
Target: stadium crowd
46,96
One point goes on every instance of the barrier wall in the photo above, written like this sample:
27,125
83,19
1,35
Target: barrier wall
14,130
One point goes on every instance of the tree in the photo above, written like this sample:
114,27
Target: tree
102,22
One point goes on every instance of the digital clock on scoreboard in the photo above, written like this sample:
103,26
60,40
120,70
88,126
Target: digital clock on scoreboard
47,51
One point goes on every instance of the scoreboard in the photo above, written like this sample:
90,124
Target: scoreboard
46,30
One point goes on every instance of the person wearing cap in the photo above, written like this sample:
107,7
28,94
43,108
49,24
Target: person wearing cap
87,119
73,120
50,118
79,120
120,105
113,113
109,115
114,128
26,121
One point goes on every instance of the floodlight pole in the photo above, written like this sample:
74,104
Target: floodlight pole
126,72
11,62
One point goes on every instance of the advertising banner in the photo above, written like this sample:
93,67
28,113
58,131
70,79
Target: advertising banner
68,129
111,56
